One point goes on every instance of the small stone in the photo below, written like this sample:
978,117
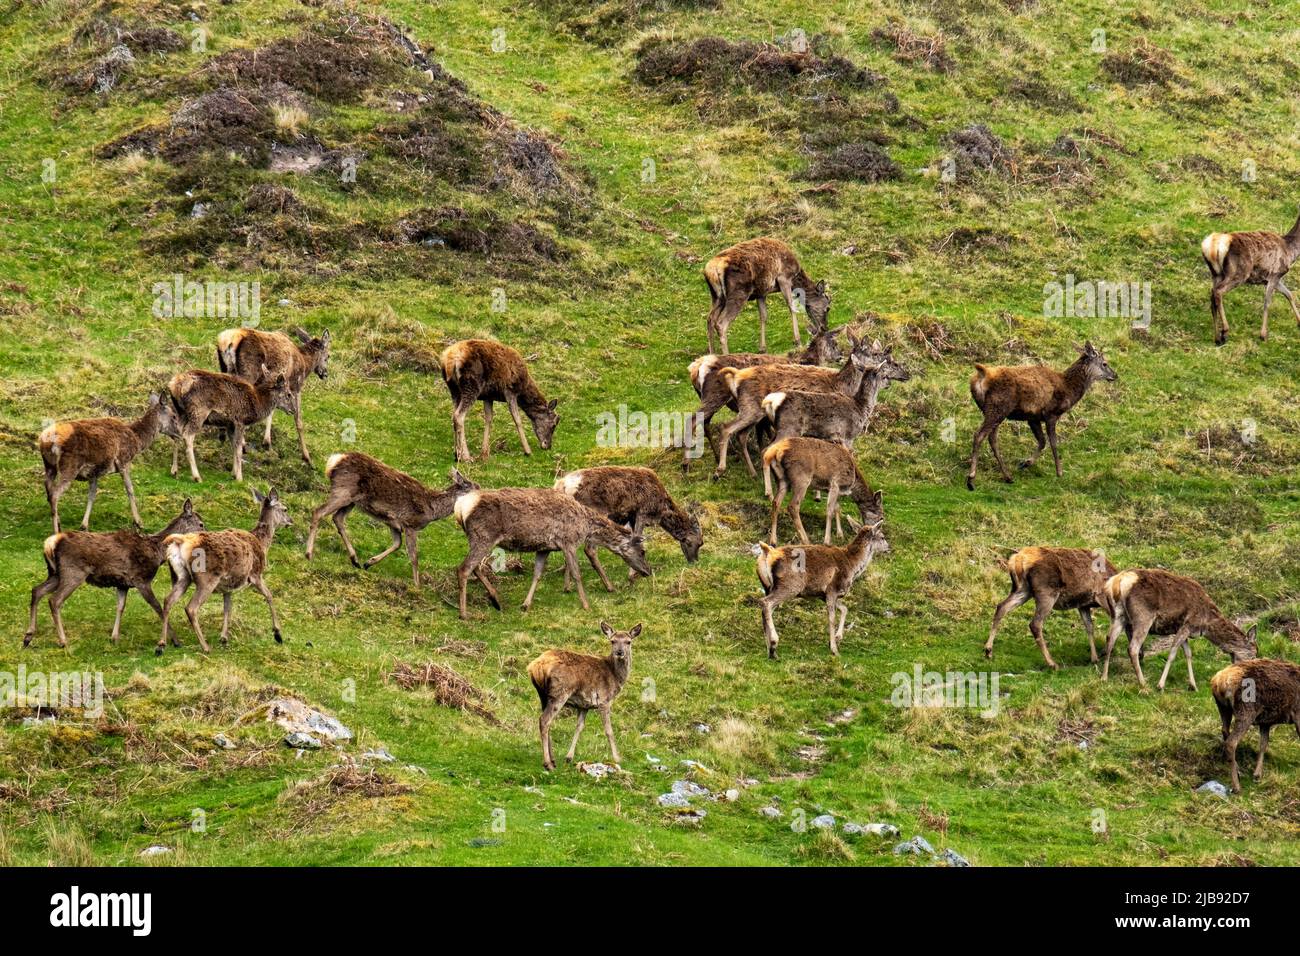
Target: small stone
772,813
224,742
695,815
694,765
918,845
155,850
732,795
537,791
1214,787
702,728
1083,745
953,858
302,741
597,770
651,758
379,754
285,302
199,211
823,822
676,801
689,788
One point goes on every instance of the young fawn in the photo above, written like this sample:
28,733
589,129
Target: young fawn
477,370
389,496
245,352
754,270
1058,579
1258,258
222,562
1032,393
815,570
196,394
582,682
120,560
89,448
1260,692
803,463
1151,601
540,521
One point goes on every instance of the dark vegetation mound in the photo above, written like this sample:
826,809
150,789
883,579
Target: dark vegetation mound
105,49
610,22
1143,64
720,64
860,162
976,148
916,49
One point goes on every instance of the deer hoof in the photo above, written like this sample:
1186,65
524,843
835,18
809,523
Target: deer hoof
1025,464
278,638
27,640
970,482
716,476
158,651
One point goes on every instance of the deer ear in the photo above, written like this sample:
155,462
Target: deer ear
302,333
553,403
1254,628
325,337
258,496
272,497
188,507
153,399
821,286
606,629
635,632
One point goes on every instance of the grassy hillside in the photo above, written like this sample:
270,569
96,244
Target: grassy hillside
557,184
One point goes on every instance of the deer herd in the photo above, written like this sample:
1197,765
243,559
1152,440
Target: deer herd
802,412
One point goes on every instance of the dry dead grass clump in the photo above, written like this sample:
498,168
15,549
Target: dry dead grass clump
449,688
388,342
978,148
484,234
1143,64
928,50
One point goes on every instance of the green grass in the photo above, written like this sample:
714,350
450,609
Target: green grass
617,322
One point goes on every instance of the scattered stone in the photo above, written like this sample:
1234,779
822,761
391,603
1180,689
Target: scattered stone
224,742
772,813
843,717
156,850
1214,787
918,846
694,765
732,795
676,801
534,790
689,788
597,770
651,758
380,754
749,782
302,741
703,728
953,858
200,210
296,717
695,815
823,822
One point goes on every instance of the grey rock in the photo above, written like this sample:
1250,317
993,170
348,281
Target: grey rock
379,755
675,801
732,795
296,717
224,742
155,850
484,841
772,813
1213,787
302,741
953,858
689,788
917,846
823,822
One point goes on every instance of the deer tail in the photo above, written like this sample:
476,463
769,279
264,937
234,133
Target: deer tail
51,549
1214,249
715,274
772,456
728,375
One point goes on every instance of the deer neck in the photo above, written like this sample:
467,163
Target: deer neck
146,427
264,530
619,669
849,378
1293,241
1077,380
1221,631
858,553
869,391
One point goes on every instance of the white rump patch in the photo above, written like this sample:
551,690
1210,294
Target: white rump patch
465,506
569,484
333,463
772,404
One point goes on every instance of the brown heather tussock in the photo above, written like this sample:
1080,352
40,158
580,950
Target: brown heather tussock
449,688
915,48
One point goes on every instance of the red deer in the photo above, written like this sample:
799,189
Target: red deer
222,562
582,682
121,560
487,372
634,497
396,499
713,391
815,570
1257,258
196,394
830,415
1260,692
89,448
754,270
751,385
1058,579
1031,393
1150,601
803,463
537,520
246,352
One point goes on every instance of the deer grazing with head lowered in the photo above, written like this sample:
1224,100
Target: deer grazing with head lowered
754,270
478,370
221,562
394,498
1031,393
830,415
751,385
120,560
196,394
715,395
634,497
1257,258
248,352
815,570
582,682
1151,601
89,448
1260,692
538,521
803,463
1058,579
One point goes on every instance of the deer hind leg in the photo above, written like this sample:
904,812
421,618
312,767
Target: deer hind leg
68,582
45,587
1118,622
117,615
577,732
203,588
90,502
744,418
179,583
769,602
571,562
130,493
831,601
731,308
413,554
397,543
238,440
997,453
263,590
1240,724
796,505
227,600
1037,428
1263,749
743,441
1181,639
539,568
1044,601
1051,438
467,394
1295,310
189,454
832,504
485,450
787,292
1085,615
1018,596
338,503
981,433
553,706
782,488
478,550
266,437
1269,288
1138,630
1222,285
762,322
